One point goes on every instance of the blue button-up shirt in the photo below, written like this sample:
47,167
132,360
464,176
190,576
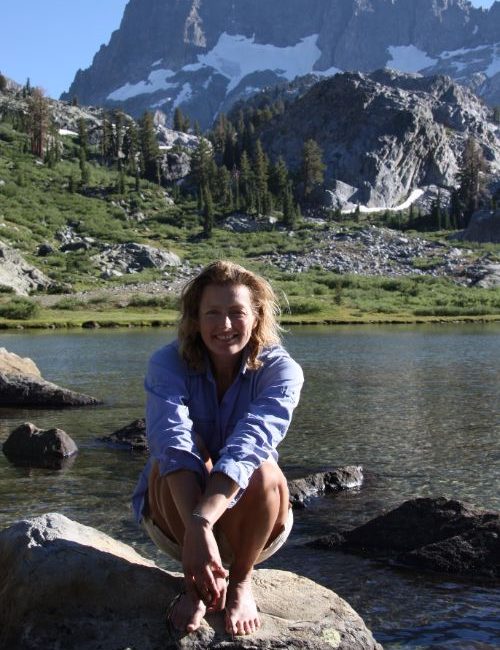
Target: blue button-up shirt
239,433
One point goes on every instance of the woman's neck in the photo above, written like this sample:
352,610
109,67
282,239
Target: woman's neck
224,375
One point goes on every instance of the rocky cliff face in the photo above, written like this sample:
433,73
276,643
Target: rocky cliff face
384,135
203,55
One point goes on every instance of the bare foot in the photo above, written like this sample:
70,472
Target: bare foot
241,611
188,612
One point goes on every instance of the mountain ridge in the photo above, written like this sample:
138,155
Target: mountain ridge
199,55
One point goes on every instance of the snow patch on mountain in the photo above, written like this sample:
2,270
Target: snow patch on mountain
157,80
494,67
408,58
236,56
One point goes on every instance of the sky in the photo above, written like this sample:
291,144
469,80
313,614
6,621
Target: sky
48,40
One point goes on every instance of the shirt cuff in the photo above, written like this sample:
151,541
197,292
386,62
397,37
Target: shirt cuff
178,459
239,472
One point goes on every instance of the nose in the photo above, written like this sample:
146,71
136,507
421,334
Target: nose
227,321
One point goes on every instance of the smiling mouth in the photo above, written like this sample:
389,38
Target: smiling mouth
226,337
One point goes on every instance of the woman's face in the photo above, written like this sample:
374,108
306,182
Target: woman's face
226,321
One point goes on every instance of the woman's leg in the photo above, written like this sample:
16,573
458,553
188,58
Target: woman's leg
190,608
253,523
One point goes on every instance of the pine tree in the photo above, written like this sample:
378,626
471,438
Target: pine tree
208,211
260,168
201,163
131,148
105,139
312,168
83,138
246,182
84,168
3,83
37,121
289,211
278,178
181,121
471,192
150,151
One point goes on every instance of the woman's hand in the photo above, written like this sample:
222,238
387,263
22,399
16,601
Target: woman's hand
202,564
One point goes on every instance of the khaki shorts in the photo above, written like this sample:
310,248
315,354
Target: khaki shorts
173,549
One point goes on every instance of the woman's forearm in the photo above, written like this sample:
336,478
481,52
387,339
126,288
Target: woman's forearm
188,497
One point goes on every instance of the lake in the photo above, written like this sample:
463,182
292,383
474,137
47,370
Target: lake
417,406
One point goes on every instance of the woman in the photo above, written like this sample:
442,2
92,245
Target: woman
219,400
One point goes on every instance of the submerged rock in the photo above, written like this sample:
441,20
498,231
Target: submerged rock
341,478
435,534
132,436
29,445
87,586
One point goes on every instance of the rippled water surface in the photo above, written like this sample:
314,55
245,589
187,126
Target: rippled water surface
418,407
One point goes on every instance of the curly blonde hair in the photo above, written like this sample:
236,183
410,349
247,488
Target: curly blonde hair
265,305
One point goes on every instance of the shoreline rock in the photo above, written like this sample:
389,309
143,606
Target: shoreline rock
21,384
33,392
71,586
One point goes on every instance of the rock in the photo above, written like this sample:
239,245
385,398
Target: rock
484,227
432,534
175,165
34,392
341,478
384,134
15,272
91,591
73,246
133,258
132,436
44,249
12,364
38,447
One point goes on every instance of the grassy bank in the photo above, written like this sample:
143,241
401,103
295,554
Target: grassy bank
310,298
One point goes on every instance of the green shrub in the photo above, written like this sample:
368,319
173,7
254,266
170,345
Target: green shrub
305,306
69,303
453,311
5,289
162,302
19,309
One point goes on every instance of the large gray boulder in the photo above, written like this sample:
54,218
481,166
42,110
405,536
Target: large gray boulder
483,227
133,258
13,364
33,392
435,534
70,586
21,384
18,274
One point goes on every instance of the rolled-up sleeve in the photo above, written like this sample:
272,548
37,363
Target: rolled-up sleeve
168,423
259,431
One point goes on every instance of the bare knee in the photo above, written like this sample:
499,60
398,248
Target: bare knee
268,483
